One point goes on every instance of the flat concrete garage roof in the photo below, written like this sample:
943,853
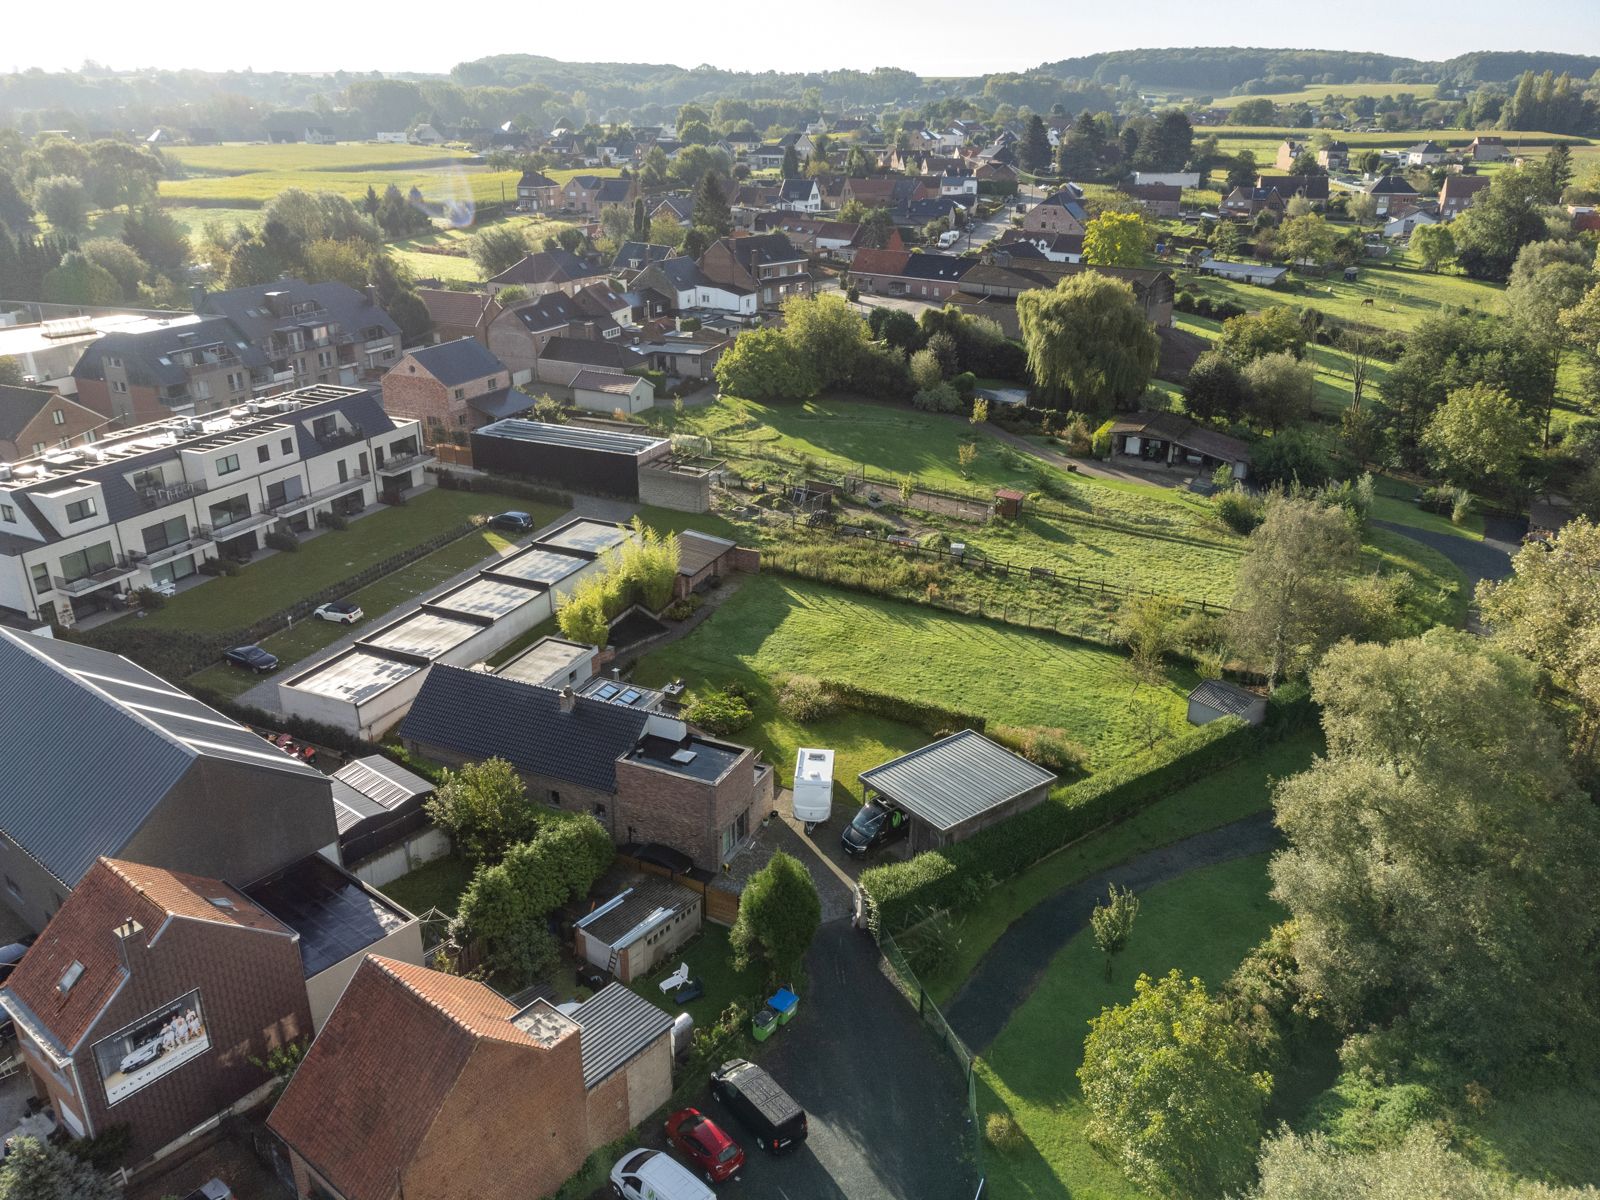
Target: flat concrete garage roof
593,536
426,634
538,565
488,597
354,676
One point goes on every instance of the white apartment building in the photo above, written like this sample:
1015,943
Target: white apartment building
80,528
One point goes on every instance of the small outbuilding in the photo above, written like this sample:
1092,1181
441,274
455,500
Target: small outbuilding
1216,698
642,925
701,558
956,786
607,391
376,803
1008,503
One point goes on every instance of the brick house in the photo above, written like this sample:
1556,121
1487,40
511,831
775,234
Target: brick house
589,195
1488,149
459,314
1313,188
1246,202
453,385
1389,192
190,368
133,949
1060,212
546,272
764,263
1159,199
1458,192
34,419
519,334
429,1086
646,777
537,192
909,273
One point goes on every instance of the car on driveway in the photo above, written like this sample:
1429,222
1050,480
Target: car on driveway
874,827
651,1175
515,522
252,658
340,612
702,1141
764,1108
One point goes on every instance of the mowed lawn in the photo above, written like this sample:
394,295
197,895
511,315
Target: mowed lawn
1202,924
400,587
277,581
1209,803
778,626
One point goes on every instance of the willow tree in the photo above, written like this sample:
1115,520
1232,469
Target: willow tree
1090,340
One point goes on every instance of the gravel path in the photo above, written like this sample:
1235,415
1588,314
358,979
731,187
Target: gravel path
1007,974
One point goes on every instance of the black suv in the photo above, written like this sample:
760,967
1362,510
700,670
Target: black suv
762,1107
875,826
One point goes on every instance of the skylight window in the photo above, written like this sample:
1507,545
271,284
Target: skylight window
69,977
221,902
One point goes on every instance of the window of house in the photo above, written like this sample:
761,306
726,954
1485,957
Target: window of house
7,513
41,578
118,385
555,797
59,417
89,435
167,533
228,465
462,419
461,393
494,382
82,510
229,511
81,564
287,445
263,453
434,421
38,448
325,359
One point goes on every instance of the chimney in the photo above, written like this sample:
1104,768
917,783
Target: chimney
372,294
569,700
197,296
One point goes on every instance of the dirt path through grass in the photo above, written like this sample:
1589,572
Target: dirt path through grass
1008,973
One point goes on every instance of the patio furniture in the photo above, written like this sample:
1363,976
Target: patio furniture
677,979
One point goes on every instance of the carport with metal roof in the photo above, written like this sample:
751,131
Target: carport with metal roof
956,786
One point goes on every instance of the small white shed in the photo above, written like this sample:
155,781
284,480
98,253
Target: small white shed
813,785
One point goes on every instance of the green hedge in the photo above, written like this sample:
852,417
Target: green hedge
930,718
940,879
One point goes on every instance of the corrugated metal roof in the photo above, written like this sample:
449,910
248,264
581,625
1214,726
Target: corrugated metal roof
616,1024
650,897
97,746
385,783
1228,697
955,779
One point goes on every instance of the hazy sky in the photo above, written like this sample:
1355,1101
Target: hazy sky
933,37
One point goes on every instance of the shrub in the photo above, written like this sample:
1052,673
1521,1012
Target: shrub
966,384
149,599
329,519
221,565
1460,505
1002,1132
1101,445
1238,509
803,698
282,541
719,711
680,610
941,397
1048,748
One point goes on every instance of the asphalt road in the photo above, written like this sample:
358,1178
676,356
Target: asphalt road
1488,559
1007,974
886,1106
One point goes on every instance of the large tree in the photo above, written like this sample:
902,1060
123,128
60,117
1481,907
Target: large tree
762,364
1274,329
1035,151
1215,389
1089,338
155,235
711,209
1308,239
485,809
1501,221
1280,389
827,334
1293,595
1480,437
779,914
497,248
1549,611
64,202
34,1170
1167,1081
1435,854
1116,239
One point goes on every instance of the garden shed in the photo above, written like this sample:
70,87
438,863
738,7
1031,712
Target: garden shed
642,925
956,786
701,558
1216,698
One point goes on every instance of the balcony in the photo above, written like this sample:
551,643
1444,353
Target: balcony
119,569
337,437
311,499
254,520
170,493
393,466
200,535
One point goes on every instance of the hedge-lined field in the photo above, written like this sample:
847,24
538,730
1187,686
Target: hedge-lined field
240,158
1317,92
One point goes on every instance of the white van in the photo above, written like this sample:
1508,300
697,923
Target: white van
949,238
651,1175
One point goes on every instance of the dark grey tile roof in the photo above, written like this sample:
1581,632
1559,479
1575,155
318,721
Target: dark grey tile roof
97,746
458,362
1225,696
142,353
616,1024
938,266
536,179
507,402
591,352
480,716
18,406
547,266
556,310
683,273
247,308
955,779
643,253
796,190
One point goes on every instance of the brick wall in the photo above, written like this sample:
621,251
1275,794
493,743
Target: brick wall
607,1106
745,559
649,1076
679,492
252,998
657,805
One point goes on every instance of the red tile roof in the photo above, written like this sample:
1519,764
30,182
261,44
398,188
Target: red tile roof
880,262
82,932
382,1068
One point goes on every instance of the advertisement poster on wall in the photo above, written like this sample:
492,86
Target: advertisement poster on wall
142,1052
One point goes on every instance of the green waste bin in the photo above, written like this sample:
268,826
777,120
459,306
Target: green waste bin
764,1023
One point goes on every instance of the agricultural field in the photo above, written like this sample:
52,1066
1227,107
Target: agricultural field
1233,138
774,627
414,254
1316,93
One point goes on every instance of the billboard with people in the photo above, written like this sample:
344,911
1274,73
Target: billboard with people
142,1052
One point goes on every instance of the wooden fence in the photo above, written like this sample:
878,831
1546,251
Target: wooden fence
721,906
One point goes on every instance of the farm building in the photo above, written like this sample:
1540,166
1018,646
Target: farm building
639,927
597,461
1215,699
370,685
1259,274
956,786
1166,439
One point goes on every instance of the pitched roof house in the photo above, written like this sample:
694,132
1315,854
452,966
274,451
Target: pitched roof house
34,419
1060,212
766,264
428,1086
1458,192
459,314
451,385
146,999
546,271
537,192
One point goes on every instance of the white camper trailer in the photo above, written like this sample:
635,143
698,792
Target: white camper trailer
813,786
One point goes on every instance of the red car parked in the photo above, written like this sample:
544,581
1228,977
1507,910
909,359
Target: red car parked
702,1141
